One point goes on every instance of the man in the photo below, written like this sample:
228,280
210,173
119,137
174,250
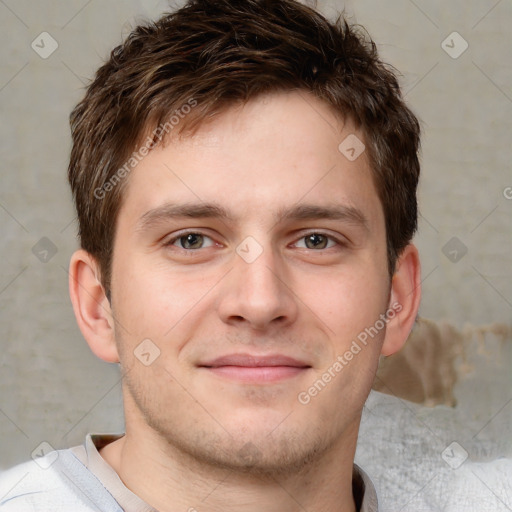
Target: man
245,179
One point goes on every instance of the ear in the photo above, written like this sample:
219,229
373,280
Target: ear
404,300
92,309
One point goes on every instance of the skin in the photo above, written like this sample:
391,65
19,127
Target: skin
215,441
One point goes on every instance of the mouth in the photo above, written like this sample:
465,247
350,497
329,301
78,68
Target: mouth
256,369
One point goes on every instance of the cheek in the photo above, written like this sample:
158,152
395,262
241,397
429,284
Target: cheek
143,300
348,300
154,300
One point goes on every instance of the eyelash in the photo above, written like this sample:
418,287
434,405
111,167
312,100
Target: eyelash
170,243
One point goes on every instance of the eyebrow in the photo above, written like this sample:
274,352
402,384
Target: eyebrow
169,211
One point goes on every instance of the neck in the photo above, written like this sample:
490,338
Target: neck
169,479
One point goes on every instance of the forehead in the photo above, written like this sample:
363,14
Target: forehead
261,158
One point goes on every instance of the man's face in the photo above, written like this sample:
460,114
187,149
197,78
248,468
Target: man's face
250,310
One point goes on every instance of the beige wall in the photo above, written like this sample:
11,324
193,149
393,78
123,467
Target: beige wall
51,388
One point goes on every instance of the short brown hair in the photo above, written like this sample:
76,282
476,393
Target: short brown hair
225,52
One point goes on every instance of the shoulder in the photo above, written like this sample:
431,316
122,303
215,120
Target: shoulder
57,481
24,487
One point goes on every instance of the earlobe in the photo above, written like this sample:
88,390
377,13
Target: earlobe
404,300
92,309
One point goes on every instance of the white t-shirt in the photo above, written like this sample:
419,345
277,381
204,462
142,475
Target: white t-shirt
80,480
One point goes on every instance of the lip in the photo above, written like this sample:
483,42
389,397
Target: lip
255,368
255,361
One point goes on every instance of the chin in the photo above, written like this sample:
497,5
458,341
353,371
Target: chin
266,450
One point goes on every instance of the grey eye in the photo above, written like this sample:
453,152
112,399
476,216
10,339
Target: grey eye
316,241
192,241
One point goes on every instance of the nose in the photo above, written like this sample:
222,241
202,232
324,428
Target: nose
258,294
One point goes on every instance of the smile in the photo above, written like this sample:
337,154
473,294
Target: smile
256,369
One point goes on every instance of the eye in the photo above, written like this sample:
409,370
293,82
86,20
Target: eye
317,241
191,241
